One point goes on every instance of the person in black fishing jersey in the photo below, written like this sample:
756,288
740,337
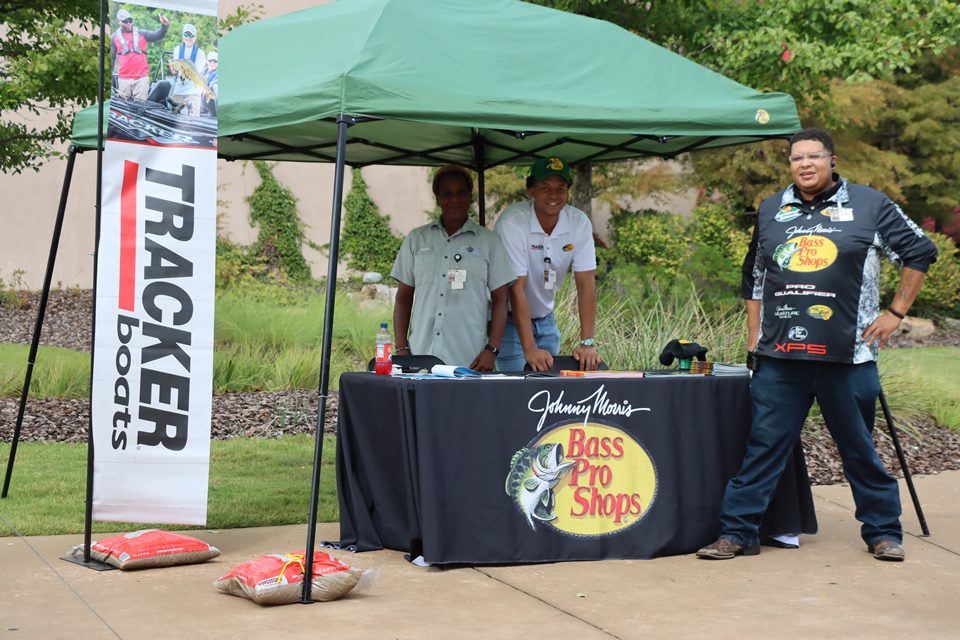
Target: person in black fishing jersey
811,281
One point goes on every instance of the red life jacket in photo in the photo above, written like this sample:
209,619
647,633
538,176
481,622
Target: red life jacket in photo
131,54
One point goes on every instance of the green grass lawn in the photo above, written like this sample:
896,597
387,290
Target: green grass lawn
254,482
935,370
938,366
57,373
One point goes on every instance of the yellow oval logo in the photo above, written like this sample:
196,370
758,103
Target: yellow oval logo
762,116
820,311
585,480
806,253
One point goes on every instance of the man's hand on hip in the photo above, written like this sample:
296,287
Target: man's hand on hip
881,328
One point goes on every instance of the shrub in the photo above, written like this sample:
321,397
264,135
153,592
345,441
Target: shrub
13,295
719,246
651,238
652,250
941,288
713,225
242,273
280,242
366,237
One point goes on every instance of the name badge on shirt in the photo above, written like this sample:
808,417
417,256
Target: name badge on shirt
549,278
456,278
841,214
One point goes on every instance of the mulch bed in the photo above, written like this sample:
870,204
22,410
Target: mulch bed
267,415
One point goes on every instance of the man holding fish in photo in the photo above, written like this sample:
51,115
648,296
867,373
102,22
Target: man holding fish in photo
188,64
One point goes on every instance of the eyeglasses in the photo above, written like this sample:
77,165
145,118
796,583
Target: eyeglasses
797,158
187,34
127,21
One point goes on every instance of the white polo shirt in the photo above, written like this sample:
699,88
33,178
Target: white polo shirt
528,246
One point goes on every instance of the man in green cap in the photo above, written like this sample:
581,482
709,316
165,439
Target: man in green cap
544,238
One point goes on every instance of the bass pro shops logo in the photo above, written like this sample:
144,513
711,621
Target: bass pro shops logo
583,479
806,253
797,333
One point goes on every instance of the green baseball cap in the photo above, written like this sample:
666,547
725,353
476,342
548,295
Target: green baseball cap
546,167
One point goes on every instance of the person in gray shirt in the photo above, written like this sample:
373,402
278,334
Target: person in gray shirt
449,273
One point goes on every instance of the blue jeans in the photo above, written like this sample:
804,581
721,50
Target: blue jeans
545,333
781,393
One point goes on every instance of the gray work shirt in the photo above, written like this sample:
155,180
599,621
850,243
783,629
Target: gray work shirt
449,323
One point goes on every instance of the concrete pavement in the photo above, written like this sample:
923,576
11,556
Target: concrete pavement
829,588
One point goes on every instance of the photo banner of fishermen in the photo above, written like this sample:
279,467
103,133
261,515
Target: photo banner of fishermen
164,75
151,398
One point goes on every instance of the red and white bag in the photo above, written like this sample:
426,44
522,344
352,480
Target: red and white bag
278,579
151,548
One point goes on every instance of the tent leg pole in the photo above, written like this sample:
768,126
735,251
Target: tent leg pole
903,464
480,163
343,122
481,199
44,296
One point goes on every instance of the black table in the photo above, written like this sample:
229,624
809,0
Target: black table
425,466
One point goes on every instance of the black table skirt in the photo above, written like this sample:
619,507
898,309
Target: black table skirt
422,465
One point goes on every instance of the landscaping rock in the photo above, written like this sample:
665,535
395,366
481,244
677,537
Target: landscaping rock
951,323
372,277
916,327
374,296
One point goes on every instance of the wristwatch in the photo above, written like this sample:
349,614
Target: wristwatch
492,349
587,342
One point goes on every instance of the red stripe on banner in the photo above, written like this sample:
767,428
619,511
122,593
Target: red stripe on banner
128,235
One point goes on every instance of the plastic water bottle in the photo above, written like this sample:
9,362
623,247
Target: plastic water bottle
384,360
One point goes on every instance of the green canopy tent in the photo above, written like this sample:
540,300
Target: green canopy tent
439,81
430,82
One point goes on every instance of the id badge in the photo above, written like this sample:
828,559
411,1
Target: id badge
841,214
549,278
456,278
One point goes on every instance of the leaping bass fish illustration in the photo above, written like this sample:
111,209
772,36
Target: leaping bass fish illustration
784,253
534,472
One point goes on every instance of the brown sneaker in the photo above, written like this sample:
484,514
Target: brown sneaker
887,550
725,549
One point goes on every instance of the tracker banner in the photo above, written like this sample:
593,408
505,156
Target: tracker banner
151,396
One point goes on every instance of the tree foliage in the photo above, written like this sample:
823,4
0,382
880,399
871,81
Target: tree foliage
45,68
504,186
915,117
788,45
847,63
